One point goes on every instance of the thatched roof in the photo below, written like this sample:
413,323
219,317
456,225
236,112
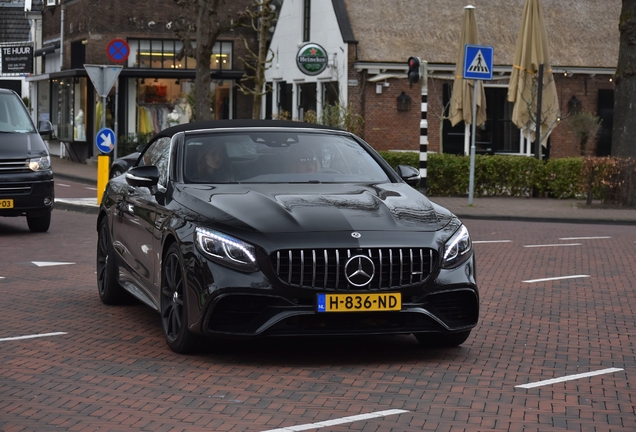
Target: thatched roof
582,33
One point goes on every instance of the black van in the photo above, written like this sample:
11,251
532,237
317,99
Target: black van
26,178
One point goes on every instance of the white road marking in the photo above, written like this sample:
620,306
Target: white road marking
569,378
492,241
553,245
585,238
62,184
32,336
90,188
50,264
339,421
1,277
555,278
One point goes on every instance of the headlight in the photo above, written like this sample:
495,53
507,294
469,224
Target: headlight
40,163
457,248
227,250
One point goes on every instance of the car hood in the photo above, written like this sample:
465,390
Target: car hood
315,207
21,145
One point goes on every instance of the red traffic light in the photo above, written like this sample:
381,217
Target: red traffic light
414,73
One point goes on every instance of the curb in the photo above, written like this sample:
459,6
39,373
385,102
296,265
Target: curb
547,219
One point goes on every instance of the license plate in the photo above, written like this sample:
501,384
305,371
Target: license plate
6,203
359,302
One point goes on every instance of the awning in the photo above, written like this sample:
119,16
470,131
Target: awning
50,49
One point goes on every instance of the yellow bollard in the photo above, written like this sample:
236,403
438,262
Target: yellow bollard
103,165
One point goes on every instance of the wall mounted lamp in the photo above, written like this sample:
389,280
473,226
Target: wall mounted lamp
574,105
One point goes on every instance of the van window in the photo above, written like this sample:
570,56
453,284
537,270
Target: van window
13,117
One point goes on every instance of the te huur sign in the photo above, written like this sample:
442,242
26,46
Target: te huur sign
17,59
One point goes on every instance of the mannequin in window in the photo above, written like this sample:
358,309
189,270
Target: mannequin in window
80,134
183,109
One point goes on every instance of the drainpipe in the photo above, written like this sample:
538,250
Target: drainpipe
62,35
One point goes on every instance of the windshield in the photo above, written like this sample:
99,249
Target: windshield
13,117
278,157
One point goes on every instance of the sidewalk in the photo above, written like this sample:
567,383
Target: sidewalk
492,208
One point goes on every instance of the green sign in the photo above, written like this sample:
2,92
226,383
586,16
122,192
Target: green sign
311,59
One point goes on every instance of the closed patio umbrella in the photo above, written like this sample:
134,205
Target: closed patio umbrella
461,104
526,91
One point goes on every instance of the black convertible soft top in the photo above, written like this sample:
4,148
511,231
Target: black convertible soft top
218,124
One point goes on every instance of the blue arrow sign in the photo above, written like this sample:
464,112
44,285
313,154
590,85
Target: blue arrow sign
105,140
478,62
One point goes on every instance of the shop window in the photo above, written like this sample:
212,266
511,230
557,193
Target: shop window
221,99
79,109
44,101
62,109
162,54
156,104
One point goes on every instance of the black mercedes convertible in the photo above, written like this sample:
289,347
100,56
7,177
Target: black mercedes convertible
253,228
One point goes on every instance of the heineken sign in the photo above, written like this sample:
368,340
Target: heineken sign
311,59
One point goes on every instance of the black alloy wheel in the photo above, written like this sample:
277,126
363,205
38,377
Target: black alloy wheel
174,311
110,292
116,171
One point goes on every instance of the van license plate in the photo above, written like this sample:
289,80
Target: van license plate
6,203
359,302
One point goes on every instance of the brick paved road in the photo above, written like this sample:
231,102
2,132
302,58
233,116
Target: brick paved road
111,370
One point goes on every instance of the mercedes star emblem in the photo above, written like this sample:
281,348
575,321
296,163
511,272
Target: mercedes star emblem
359,270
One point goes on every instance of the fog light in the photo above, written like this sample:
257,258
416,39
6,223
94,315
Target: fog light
48,201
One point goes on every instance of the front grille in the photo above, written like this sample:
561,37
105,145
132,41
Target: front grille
325,268
8,166
13,189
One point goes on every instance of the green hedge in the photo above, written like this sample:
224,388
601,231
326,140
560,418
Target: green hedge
499,175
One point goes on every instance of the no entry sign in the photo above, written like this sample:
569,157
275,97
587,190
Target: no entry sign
118,50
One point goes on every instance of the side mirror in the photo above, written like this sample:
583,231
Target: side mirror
409,174
45,127
144,176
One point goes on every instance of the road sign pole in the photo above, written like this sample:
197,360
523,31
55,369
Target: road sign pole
471,181
478,65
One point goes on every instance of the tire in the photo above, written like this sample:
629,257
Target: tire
110,292
174,309
442,340
116,171
39,223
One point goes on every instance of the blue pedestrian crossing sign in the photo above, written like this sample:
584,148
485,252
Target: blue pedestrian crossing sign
105,140
478,62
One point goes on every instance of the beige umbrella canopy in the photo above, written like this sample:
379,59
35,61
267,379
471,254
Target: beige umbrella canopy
530,52
461,105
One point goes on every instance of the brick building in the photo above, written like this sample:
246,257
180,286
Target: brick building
368,42
152,85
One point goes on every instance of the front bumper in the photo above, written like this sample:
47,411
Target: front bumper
32,195
259,304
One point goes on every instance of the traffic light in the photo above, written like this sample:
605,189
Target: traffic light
414,69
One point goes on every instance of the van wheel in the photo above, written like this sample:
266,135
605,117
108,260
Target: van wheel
39,223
